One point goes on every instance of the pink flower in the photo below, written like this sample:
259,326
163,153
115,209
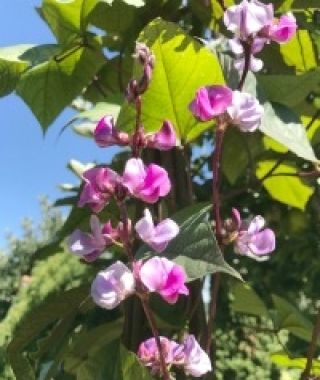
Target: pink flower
284,29
196,361
157,237
253,240
210,101
164,139
148,353
248,18
147,183
99,186
112,285
106,133
160,275
91,246
245,111
236,47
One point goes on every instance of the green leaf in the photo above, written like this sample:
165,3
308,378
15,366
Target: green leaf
182,66
12,66
290,190
195,248
245,300
299,52
292,90
135,3
288,317
282,125
87,343
282,359
68,19
51,86
238,154
55,308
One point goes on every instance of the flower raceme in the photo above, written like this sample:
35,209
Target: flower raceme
254,25
157,237
106,134
189,355
240,108
160,275
147,183
91,246
253,239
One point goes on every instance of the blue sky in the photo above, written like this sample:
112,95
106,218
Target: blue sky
32,165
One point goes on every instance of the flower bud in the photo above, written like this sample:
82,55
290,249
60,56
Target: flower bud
106,133
112,285
283,29
164,139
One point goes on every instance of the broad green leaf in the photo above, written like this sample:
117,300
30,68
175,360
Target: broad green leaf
274,145
279,123
182,65
238,154
111,362
282,359
87,343
53,309
292,91
195,248
12,66
68,19
288,317
299,52
290,190
51,86
245,300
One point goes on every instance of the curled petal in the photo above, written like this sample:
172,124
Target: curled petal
196,361
263,243
112,285
165,138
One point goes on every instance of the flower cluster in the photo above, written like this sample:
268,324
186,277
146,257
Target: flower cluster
254,25
189,356
237,108
147,183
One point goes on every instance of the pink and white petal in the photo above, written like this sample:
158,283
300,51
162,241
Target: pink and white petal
263,243
256,225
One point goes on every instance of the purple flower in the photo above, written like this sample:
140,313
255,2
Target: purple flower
210,101
160,275
99,186
148,353
284,29
253,240
91,246
164,139
147,183
196,361
112,285
245,111
157,237
106,134
236,47
248,18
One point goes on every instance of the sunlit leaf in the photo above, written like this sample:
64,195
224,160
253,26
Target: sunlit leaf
287,188
182,66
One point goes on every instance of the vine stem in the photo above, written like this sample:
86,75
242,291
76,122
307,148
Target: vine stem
155,332
215,279
247,48
312,349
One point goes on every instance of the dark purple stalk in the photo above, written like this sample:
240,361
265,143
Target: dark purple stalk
312,349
